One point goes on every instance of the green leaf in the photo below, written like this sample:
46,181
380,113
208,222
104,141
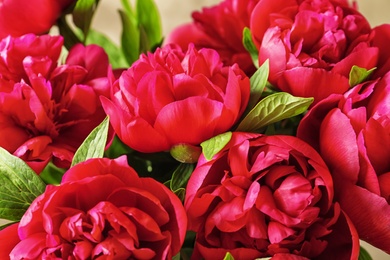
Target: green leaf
181,175
185,153
358,75
149,22
20,185
52,174
212,146
258,81
130,39
228,256
250,46
70,37
274,108
363,254
176,257
82,14
114,52
94,145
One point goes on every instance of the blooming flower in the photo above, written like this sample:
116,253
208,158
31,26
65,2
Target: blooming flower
170,97
352,133
267,196
46,110
100,209
312,44
24,16
219,27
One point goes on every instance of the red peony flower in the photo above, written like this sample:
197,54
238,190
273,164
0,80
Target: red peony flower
101,209
267,196
170,97
46,110
219,27
312,45
25,16
352,134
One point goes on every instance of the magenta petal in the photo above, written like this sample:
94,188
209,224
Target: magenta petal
339,146
8,240
193,120
309,82
368,212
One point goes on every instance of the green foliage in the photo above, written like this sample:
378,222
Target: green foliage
215,144
20,185
83,13
52,174
114,52
250,46
149,23
258,81
358,75
94,145
364,255
228,256
141,29
273,108
130,39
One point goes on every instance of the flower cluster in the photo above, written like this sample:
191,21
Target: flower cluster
250,132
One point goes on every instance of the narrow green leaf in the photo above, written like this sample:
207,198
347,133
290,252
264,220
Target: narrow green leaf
212,146
114,52
70,37
250,46
364,255
358,75
149,22
185,153
181,175
130,39
176,257
274,108
94,145
228,256
82,14
127,8
20,185
258,81
52,174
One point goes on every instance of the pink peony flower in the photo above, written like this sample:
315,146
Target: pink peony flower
171,97
312,44
219,27
18,17
352,133
102,209
46,109
267,196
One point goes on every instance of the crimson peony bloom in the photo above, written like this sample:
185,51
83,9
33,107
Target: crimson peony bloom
267,196
171,97
312,45
219,27
18,17
100,209
352,134
46,109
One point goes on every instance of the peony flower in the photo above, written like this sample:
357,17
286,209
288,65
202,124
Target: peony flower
312,44
170,97
267,196
46,109
219,27
100,209
22,17
352,134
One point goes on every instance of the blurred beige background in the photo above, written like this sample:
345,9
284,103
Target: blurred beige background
176,12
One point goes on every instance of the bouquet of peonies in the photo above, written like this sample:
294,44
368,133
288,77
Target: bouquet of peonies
260,130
